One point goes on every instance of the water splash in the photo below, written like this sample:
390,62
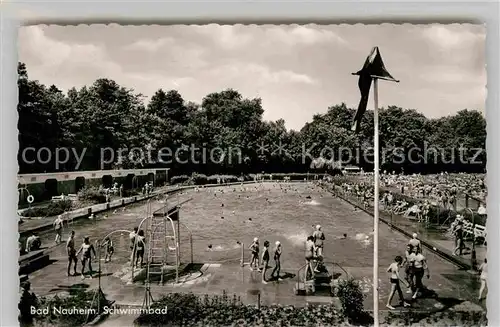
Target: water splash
312,203
363,238
218,248
297,238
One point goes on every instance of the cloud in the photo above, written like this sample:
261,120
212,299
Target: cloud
232,37
260,74
302,35
150,45
67,62
52,53
298,70
450,37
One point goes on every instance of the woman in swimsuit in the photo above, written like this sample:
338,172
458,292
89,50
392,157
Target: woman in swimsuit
395,279
86,249
484,278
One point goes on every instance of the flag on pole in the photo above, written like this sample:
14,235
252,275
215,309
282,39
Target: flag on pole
373,68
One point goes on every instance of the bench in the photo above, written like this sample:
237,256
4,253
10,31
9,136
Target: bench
477,231
32,261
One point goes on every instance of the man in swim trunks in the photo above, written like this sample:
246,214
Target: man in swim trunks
87,249
141,245
70,249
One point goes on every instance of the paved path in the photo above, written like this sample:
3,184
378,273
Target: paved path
277,215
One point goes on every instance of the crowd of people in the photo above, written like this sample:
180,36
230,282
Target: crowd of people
313,255
415,268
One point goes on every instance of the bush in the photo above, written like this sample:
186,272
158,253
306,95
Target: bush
181,179
198,179
91,194
193,310
53,209
130,193
351,298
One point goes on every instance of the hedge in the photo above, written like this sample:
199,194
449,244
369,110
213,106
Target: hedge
193,310
53,209
92,194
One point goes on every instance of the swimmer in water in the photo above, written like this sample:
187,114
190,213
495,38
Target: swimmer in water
254,247
87,249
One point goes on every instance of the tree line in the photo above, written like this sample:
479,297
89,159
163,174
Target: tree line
106,115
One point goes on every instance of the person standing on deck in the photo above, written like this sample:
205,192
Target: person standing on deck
415,243
319,238
458,232
254,248
277,261
70,248
484,278
87,249
58,227
310,251
395,286
420,267
408,263
139,248
265,261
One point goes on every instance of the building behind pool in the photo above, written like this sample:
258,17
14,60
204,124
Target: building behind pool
46,185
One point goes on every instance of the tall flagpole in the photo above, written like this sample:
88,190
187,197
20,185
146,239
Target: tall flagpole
375,204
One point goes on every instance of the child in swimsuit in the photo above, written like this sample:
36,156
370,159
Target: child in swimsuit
108,248
395,279
254,247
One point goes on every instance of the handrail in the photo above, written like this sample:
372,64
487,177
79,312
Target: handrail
190,238
325,263
115,231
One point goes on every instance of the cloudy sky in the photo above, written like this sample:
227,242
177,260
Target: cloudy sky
296,70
